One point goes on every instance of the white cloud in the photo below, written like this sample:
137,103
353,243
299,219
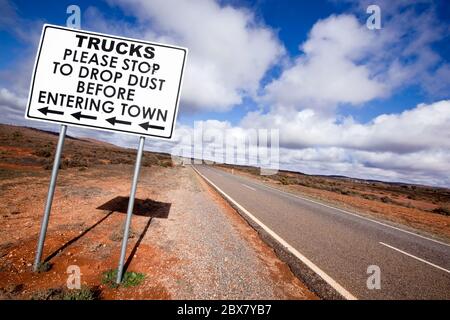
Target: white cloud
405,53
424,127
12,106
343,62
16,77
229,50
412,146
329,71
425,167
10,21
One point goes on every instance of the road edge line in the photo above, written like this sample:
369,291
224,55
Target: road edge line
414,257
358,215
330,281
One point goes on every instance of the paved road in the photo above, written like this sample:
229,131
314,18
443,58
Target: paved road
342,245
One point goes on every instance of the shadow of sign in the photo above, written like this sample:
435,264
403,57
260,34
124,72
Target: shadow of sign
146,208
71,241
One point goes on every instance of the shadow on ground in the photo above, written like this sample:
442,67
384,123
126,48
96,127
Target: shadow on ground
146,208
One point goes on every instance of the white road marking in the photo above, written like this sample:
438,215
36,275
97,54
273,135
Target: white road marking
340,289
413,256
248,187
354,214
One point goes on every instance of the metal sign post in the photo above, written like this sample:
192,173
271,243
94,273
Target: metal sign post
72,22
51,191
126,230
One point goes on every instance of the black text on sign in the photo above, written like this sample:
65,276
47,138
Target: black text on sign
105,82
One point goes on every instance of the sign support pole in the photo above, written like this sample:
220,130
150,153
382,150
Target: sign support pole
51,191
126,230
56,163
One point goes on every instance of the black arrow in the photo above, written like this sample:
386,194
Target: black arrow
79,115
147,126
46,110
113,121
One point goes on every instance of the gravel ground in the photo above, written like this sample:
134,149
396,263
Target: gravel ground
186,240
219,261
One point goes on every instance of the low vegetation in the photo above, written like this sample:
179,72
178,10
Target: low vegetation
84,293
117,235
44,267
130,279
38,149
442,210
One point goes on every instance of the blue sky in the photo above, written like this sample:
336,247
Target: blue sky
345,98
291,19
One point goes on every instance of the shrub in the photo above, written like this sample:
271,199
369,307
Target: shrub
46,294
118,235
44,267
442,210
369,196
130,279
43,152
84,293
385,199
345,192
166,163
16,135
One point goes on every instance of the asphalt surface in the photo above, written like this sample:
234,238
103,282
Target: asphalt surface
343,245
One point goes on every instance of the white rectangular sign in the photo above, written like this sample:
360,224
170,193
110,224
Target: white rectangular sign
105,82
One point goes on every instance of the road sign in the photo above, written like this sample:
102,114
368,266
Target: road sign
105,82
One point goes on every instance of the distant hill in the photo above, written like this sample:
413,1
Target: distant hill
427,198
22,148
